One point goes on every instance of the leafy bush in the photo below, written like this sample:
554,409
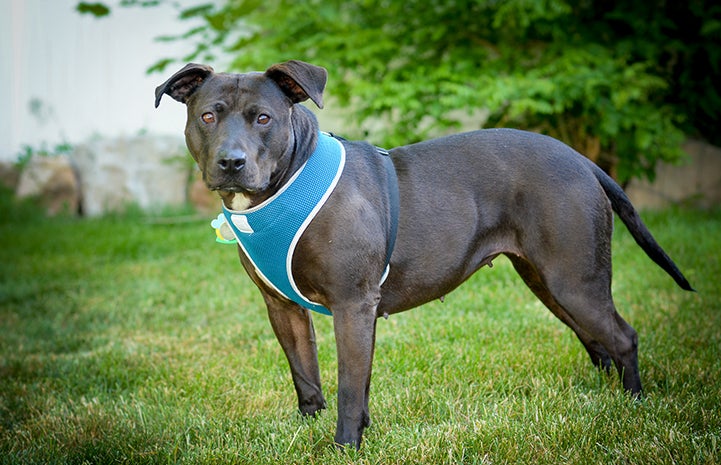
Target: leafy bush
620,81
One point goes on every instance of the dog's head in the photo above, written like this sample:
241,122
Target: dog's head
243,130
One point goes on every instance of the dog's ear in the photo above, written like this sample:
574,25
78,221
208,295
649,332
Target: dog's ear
299,80
182,84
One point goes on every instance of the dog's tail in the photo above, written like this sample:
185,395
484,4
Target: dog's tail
628,214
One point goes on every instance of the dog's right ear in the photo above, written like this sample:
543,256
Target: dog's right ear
184,83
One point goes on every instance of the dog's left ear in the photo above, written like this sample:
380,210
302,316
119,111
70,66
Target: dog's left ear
299,80
184,83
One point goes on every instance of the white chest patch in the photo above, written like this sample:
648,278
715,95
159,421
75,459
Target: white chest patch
239,202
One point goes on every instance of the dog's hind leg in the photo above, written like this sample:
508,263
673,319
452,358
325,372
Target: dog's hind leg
293,327
583,300
596,351
592,309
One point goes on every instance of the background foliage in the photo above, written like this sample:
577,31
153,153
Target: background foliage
621,81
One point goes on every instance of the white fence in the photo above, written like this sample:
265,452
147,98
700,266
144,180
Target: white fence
66,77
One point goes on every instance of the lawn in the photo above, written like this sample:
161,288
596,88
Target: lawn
138,339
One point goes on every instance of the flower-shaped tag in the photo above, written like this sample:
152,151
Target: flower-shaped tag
223,233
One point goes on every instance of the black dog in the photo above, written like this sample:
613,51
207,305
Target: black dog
463,200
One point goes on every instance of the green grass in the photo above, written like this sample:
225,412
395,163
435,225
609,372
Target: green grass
127,340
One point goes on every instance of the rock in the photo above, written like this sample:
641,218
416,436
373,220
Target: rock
147,171
52,180
9,175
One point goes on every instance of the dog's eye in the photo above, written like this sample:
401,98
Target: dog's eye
263,119
208,118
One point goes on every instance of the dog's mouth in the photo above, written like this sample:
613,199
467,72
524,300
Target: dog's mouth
234,189
251,181
225,188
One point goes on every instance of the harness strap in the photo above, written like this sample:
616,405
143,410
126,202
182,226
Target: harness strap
394,197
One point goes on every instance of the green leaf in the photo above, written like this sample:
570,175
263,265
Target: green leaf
194,12
98,10
160,65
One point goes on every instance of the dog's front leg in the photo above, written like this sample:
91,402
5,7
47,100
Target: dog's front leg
355,330
293,327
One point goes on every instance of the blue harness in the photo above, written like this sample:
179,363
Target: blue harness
269,232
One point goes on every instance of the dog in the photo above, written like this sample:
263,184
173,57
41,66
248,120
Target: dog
400,228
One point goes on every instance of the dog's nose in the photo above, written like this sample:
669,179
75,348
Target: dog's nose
232,161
